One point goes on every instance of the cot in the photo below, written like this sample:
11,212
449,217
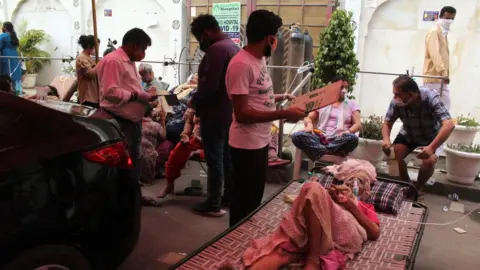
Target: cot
395,249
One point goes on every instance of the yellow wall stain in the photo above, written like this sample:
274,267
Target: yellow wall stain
459,47
387,49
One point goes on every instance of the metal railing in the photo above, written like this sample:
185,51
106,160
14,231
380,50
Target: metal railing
166,63
189,63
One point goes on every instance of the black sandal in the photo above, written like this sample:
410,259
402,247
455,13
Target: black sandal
149,201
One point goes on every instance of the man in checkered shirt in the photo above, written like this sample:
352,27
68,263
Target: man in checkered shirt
426,125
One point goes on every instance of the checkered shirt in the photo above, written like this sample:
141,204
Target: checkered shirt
420,123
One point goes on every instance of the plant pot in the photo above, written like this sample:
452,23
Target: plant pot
30,81
370,150
462,135
462,167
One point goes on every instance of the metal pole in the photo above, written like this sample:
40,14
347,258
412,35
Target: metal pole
95,33
441,87
280,139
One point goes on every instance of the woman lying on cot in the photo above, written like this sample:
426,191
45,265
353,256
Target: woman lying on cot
52,93
324,229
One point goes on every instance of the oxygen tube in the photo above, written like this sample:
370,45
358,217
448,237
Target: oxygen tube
355,188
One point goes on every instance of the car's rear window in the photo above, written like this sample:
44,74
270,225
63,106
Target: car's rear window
70,108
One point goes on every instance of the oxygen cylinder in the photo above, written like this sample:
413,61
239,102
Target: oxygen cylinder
308,56
296,52
277,60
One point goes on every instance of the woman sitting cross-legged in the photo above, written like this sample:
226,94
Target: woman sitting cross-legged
330,129
323,229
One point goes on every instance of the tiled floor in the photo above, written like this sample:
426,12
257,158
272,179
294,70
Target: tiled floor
171,227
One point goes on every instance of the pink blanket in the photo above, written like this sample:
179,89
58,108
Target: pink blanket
339,229
352,169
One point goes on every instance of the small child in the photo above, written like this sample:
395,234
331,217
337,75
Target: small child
190,141
191,128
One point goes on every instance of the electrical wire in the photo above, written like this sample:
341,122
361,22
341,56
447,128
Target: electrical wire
427,223
180,59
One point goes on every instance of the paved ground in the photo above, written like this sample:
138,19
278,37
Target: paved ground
173,228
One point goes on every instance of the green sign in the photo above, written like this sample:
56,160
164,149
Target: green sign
228,16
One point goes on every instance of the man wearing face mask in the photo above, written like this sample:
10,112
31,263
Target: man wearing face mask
122,95
330,129
250,88
211,104
437,55
426,125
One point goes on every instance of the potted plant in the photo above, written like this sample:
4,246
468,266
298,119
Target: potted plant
68,68
466,128
463,162
370,141
31,41
336,55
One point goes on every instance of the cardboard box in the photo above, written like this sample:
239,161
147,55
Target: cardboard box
318,98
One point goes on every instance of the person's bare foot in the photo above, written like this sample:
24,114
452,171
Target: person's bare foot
167,190
274,260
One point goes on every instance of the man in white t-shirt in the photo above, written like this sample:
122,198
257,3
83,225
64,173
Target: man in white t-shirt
250,88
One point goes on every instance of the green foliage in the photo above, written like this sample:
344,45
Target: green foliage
372,128
468,148
68,67
336,4
467,121
30,42
336,55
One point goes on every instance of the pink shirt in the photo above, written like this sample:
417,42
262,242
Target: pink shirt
118,79
331,126
248,75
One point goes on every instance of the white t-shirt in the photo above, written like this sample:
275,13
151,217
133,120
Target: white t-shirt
248,75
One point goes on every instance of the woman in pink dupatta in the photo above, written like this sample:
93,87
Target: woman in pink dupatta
324,227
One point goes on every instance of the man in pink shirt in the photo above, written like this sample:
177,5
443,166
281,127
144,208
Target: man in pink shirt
122,95
250,88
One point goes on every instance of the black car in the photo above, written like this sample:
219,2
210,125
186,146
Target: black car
67,200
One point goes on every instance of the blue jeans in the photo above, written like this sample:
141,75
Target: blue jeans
217,156
311,145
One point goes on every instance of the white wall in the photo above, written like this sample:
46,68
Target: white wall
391,39
66,20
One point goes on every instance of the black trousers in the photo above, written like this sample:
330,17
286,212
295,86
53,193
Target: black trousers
249,175
90,104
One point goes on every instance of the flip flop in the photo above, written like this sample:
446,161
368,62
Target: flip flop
149,201
142,184
192,191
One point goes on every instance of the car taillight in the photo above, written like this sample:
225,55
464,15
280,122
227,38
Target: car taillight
115,155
